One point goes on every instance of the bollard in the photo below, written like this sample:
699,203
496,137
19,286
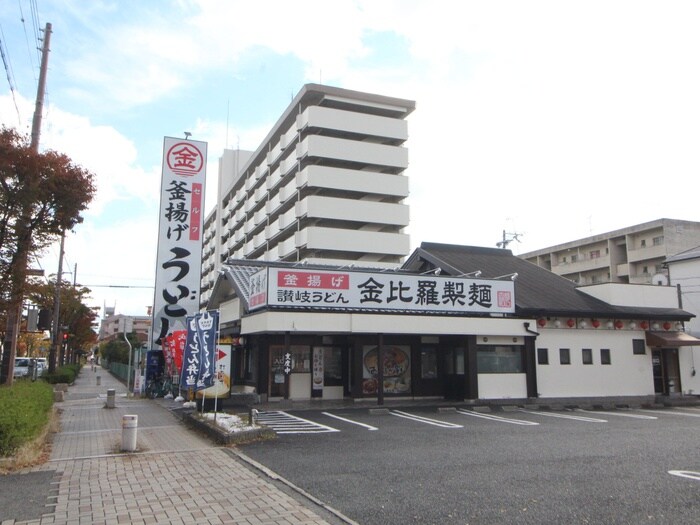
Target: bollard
129,427
110,398
98,380
252,417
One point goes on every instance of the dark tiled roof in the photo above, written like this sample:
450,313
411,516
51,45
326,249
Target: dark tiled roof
538,292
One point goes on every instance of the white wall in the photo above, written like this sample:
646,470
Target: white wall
502,386
627,375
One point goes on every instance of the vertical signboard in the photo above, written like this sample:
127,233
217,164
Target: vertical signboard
181,216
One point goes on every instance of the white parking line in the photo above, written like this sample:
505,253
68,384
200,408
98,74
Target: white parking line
425,420
620,414
368,427
673,412
685,474
500,419
565,416
284,423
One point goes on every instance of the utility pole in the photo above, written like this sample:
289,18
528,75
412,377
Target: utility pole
24,241
56,339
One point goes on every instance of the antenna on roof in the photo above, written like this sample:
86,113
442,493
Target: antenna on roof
508,238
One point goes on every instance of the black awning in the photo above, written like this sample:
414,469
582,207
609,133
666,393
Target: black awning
671,339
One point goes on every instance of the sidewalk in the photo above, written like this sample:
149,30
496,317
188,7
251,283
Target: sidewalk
174,477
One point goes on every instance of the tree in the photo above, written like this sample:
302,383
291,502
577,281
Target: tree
74,315
43,195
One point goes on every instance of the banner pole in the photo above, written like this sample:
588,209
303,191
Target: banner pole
216,355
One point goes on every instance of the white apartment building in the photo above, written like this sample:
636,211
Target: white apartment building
327,185
632,255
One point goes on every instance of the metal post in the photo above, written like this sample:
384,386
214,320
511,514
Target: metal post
130,425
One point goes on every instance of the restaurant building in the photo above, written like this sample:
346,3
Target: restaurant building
454,322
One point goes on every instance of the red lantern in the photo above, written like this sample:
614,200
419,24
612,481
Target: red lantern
619,324
667,325
644,325
570,323
541,322
595,323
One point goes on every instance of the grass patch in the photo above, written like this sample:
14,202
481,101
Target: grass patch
25,414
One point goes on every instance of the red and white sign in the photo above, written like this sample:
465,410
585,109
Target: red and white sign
181,219
338,290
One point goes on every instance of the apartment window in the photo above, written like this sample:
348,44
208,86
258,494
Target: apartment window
564,356
604,356
563,259
587,356
639,347
658,241
643,243
542,356
574,258
595,254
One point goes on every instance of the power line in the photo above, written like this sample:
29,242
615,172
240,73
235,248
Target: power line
8,71
26,38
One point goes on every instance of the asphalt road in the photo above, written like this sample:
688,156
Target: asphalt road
611,471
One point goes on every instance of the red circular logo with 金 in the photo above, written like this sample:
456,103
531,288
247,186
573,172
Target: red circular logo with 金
185,159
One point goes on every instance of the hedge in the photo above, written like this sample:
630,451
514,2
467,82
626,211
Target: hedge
63,374
25,409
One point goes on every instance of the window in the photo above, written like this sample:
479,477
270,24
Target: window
574,258
428,363
332,366
587,356
595,254
658,241
499,359
604,356
639,347
542,356
643,243
564,356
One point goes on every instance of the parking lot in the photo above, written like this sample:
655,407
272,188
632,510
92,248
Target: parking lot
414,465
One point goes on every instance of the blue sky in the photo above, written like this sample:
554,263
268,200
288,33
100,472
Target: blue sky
552,119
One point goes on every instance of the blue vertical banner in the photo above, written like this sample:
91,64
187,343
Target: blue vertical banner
199,360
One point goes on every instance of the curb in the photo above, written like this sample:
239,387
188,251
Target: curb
217,434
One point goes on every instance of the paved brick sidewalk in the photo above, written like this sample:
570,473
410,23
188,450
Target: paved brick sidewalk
175,477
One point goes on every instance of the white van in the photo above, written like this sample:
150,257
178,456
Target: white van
21,367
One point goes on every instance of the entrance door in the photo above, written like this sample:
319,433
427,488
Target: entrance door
667,378
454,366
277,379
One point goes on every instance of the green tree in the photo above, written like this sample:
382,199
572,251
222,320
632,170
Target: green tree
117,350
43,195
76,317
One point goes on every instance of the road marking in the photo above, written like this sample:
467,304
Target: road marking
565,416
620,414
500,419
425,420
368,427
284,423
673,412
685,474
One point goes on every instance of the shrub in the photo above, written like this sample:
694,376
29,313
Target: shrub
63,374
25,409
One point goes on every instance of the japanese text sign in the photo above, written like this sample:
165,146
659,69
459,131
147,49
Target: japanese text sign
179,259
388,291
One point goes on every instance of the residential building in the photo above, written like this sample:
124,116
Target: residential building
632,255
112,327
684,273
326,185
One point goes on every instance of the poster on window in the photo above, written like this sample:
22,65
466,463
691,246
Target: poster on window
317,369
397,369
